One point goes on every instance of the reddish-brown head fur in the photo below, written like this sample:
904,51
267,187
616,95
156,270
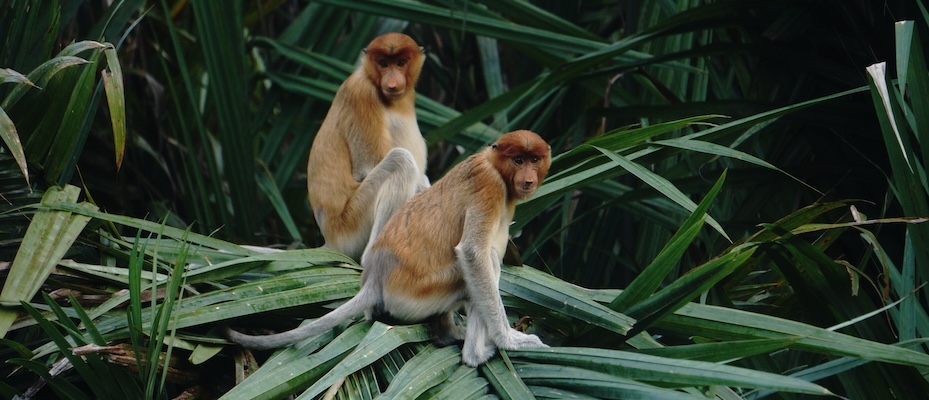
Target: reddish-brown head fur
523,158
392,62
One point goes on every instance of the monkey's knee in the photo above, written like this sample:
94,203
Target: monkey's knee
401,160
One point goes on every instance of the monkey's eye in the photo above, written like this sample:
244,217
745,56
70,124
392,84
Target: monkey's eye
382,63
535,160
518,160
401,63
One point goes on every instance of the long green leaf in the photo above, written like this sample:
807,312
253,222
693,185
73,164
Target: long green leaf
11,140
662,185
719,322
41,75
684,289
116,100
543,289
596,384
463,383
652,276
427,369
720,351
379,341
501,374
274,381
48,237
667,371
719,150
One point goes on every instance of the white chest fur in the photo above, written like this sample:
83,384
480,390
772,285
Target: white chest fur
404,131
501,237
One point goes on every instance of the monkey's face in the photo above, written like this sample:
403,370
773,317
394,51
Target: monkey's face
528,174
523,159
393,73
393,62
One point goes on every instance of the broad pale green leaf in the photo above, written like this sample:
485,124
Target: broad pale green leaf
666,371
493,75
712,321
533,286
502,376
463,383
544,392
720,351
429,368
380,340
330,290
150,226
276,380
48,237
595,384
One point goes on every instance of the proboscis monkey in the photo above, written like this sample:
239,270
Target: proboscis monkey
442,251
369,156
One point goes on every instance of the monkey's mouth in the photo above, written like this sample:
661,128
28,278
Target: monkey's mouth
524,191
393,93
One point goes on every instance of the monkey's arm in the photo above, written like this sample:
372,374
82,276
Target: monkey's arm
480,266
361,123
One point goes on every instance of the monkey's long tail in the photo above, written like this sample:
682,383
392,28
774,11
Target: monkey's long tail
361,302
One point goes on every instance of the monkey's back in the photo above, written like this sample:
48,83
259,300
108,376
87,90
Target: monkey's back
424,232
353,117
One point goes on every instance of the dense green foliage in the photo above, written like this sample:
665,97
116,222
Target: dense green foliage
749,173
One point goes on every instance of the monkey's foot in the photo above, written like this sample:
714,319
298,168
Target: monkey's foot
518,340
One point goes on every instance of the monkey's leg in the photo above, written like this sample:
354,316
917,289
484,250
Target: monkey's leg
478,346
444,330
386,187
399,186
483,277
